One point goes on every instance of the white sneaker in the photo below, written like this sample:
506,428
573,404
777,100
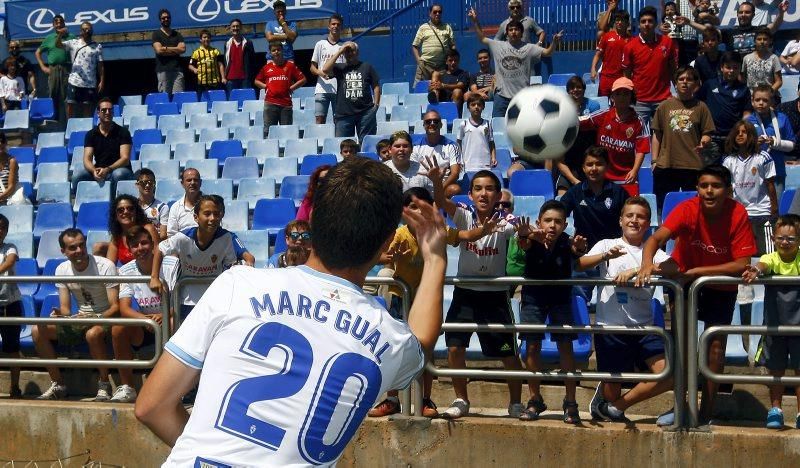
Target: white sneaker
103,391
55,392
515,409
459,408
124,394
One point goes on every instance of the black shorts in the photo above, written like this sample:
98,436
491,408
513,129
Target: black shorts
715,307
10,333
622,353
470,306
782,352
535,314
78,95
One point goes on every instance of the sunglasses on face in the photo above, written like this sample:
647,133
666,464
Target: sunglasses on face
295,236
515,7
125,209
432,122
146,183
106,110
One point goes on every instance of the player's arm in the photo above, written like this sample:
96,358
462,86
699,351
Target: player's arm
552,47
473,16
752,272
159,404
782,7
8,263
126,309
113,301
248,258
425,316
598,57
64,302
733,268
651,246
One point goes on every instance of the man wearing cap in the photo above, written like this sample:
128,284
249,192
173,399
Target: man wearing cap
431,44
650,60
358,92
623,133
529,26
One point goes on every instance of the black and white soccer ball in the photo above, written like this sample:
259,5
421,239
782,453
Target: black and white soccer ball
541,123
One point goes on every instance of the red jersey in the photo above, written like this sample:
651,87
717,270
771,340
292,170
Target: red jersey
236,61
622,139
700,243
278,80
651,65
611,45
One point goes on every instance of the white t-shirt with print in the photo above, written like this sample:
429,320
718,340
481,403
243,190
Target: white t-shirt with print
748,176
148,301
474,141
324,50
91,297
487,255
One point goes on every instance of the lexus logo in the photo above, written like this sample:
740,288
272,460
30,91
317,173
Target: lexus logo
204,10
40,20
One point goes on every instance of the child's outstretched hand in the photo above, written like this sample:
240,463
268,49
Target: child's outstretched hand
578,245
429,227
616,251
432,169
750,274
490,225
399,250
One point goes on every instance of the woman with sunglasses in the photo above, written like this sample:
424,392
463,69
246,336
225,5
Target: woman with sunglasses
298,234
125,213
307,205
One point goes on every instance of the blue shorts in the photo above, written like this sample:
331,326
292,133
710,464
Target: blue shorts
622,353
321,103
558,314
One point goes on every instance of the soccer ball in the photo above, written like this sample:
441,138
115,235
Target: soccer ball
541,122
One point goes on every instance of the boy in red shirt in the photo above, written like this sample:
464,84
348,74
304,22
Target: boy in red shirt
712,237
280,77
609,51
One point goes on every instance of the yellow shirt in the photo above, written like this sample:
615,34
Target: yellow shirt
776,266
207,63
409,268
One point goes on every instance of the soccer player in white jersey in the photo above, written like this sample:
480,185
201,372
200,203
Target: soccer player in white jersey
148,303
206,250
155,210
292,359
93,299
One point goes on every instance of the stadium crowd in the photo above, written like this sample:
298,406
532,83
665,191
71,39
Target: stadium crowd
695,108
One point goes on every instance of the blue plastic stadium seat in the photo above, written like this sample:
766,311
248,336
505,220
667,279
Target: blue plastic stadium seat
208,167
221,150
672,199
792,177
45,140
93,216
252,190
154,152
168,190
52,172
221,187
283,133
645,180
370,143
319,131
48,289
236,212
311,162
175,137
20,217
278,168
192,108
400,89
222,107
127,187
27,267
78,124
392,126
232,120
53,155
26,154
273,214
48,248
210,135
422,86
582,346
532,182
171,122
304,92
16,120
239,168
165,108
168,169
152,99
200,121
91,191
408,112
76,138
188,151
527,205
559,79
149,135
294,187
133,110
182,97
447,110
249,134
257,243
251,106
241,95
300,148
280,242
786,201
41,109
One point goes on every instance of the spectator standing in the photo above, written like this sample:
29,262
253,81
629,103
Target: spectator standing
279,77
649,60
207,63
431,44
766,13
94,300
11,191
708,62
450,85
181,213
742,37
482,81
296,234
605,20
148,305
87,76
12,87
791,109
512,61
775,133
790,58
610,51
682,128
239,54
106,150
358,93
168,45
441,149
404,167
57,67
762,66
24,68
475,138
307,205
155,210
10,306
683,37
530,28
325,89
281,30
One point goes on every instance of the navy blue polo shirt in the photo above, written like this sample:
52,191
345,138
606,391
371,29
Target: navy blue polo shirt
547,264
596,217
727,103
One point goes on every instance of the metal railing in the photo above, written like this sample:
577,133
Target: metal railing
673,354
699,347
160,331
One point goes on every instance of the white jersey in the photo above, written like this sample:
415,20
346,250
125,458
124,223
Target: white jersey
748,176
623,306
324,50
474,141
411,176
157,212
224,250
148,301
292,359
91,297
487,255
180,217
446,152
9,292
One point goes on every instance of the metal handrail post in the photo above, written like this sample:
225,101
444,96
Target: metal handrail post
679,330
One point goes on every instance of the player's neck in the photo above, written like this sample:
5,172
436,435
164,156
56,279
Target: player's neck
596,186
146,199
145,264
788,258
634,241
204,237
353,275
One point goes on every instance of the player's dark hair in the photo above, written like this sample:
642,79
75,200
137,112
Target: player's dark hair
752,6
69,232
348,143
486,173
356,208
144,172
384,143
205,32
453,53
139,216
595,151
279,5
3,221
687,69
162,11
575,82
484,51
553,205
750,146
105,99
666,4
788,220
135,231
763,88
235,20
58,17
648,11
729,57
716,170
336,16
475,97
622,15
711,33
638,201
296,224
215,199
515,24
419,192
764,31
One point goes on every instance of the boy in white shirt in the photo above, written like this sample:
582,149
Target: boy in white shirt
620,260
12,87
474,137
